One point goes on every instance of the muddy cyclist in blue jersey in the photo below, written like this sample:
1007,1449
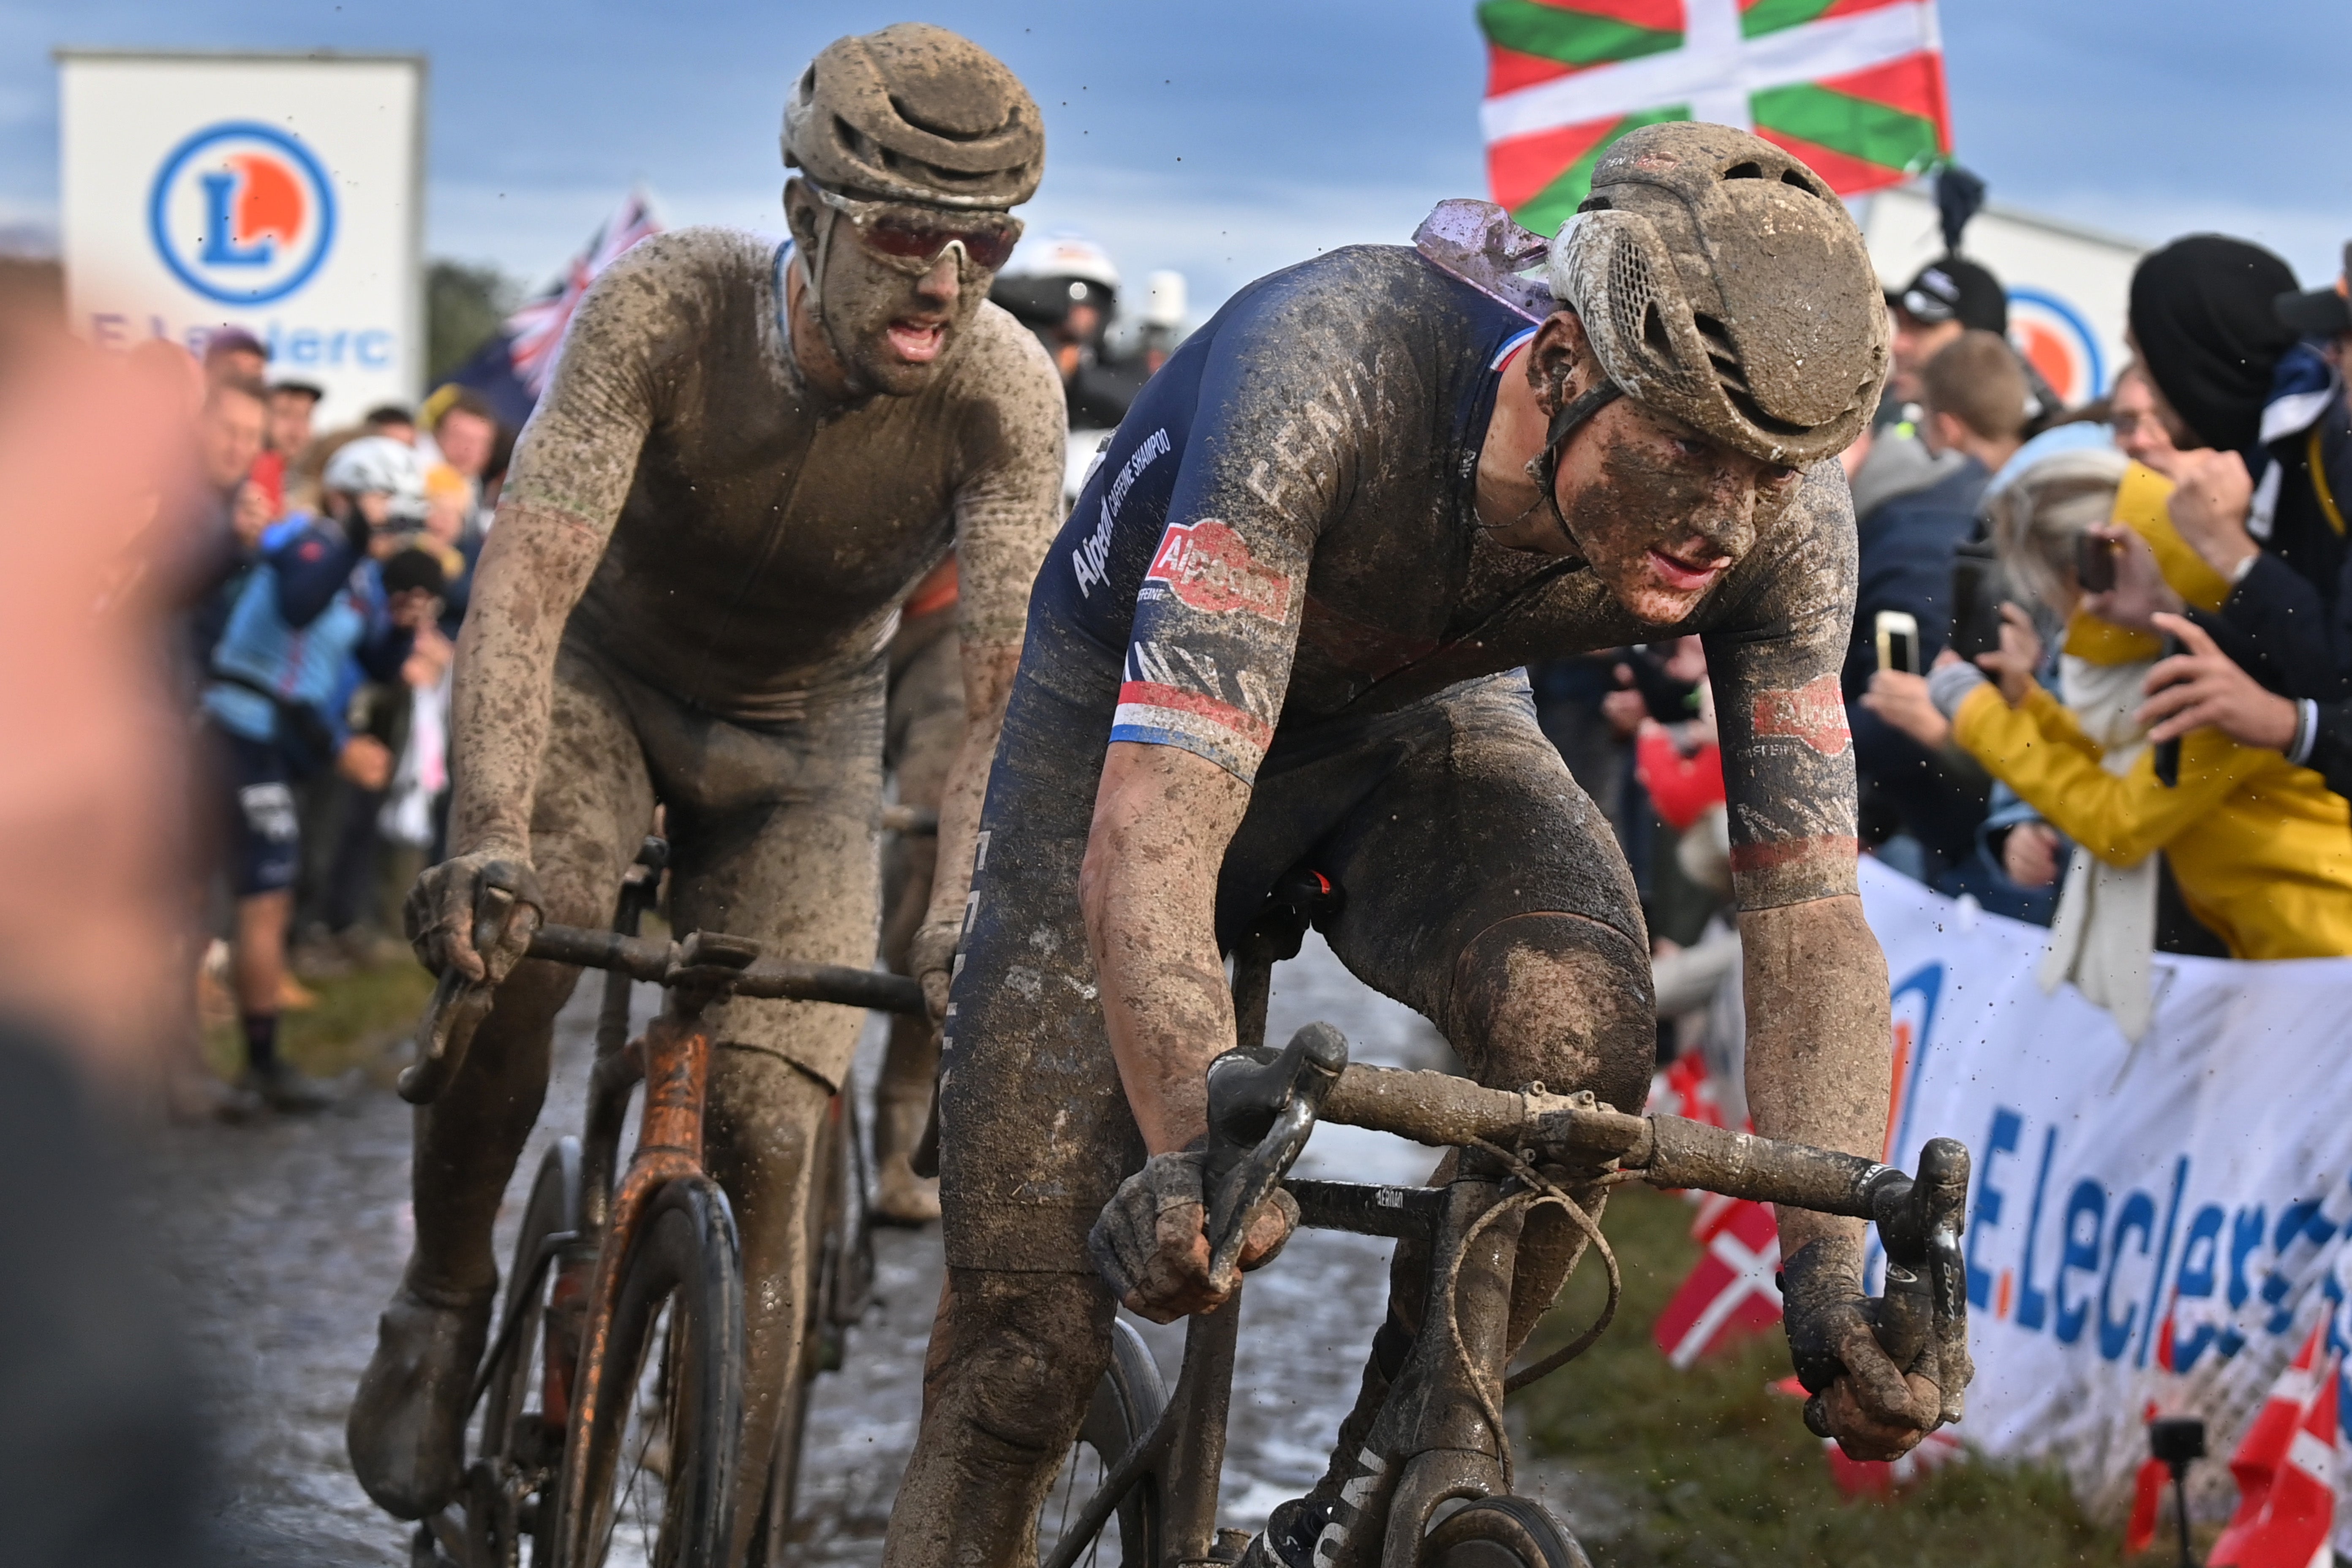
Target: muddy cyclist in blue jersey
1284,627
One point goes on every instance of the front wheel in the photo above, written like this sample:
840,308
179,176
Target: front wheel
1502,1532
527,1380
1126,1407
659,1460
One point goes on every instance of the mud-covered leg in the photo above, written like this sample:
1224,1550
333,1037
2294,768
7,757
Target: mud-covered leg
407,1422
760,1137
1519,934
1014,1360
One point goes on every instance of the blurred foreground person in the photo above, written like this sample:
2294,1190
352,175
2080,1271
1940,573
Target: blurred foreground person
98,1443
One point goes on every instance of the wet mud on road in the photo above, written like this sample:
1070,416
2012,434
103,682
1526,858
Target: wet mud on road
286,1239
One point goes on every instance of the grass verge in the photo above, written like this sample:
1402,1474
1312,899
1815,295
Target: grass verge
358,1017
1706,1466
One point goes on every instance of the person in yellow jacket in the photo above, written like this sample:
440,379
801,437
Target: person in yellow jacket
2259,846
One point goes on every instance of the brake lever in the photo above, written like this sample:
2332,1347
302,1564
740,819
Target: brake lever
1919,1222
457,1009
1262,1107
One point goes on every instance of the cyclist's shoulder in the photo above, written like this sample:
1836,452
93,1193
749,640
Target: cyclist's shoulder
1803,564
1002,396
670,279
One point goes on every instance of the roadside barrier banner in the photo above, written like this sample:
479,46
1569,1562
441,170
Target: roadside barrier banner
2162,1223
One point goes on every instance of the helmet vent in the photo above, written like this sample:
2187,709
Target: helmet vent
1744,172
1654,331
1720,353
1633,302
945,132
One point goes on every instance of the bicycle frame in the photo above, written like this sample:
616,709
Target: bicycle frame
672,1060
1438,1435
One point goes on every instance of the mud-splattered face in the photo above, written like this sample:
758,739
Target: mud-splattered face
890,330
1662,511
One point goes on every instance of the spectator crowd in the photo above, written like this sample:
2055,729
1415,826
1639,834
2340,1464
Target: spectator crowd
2101,657
316,581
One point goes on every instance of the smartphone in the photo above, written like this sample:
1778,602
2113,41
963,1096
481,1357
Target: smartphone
1898,641
2095,563
2167,752
1977,589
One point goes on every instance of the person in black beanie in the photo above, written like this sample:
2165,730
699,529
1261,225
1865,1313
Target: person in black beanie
2258,498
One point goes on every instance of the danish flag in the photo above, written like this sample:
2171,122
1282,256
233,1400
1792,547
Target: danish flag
1731,1292
2285,1468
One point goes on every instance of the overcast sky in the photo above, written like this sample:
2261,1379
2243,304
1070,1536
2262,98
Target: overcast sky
1221,137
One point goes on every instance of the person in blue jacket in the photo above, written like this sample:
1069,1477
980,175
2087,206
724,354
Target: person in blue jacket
329,591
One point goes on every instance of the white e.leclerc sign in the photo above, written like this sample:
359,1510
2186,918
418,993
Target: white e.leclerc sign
281,194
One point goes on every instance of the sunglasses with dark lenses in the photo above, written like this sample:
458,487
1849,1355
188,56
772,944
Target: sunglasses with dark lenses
912,237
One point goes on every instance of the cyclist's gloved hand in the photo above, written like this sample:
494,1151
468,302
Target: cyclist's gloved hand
932,959
1875,1409
439,915
1151,1246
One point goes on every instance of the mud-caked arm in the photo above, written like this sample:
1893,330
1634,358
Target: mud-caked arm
1818,1067
1815,979
570,475
1007,513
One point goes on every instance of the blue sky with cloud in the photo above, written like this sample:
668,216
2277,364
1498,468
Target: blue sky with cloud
1225,138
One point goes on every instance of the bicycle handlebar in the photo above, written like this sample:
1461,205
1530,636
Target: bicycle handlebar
722,963
1273,1100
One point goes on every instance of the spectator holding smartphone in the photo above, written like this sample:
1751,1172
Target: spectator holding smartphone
1973,401
2260,848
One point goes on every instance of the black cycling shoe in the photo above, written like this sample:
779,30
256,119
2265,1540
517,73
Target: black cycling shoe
285,1090
1292,1531
407,1432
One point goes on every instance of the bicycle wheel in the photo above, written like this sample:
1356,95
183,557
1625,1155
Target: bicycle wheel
1127,1405
1502,1532
520,1446
659,1462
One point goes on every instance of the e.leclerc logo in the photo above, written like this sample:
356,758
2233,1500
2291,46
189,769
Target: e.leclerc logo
242,213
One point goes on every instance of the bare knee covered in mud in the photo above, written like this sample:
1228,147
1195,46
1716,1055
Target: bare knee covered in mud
1022,1353
1558,999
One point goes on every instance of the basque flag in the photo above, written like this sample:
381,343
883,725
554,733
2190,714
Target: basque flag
1854,88
512,369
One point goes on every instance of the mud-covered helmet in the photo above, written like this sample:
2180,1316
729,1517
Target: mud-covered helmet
1722,283
915,113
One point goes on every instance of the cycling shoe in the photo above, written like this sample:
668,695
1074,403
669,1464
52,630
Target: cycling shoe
407,1433
1289,1538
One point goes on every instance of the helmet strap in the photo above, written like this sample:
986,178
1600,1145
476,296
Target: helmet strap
1572,417
812,269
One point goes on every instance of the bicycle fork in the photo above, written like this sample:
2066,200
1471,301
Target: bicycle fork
676,1054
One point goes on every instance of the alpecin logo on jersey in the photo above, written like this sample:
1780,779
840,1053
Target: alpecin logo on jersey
1208,566
1813,713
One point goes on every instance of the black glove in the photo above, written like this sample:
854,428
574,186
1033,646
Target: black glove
1875,1408
440,911
1150,1245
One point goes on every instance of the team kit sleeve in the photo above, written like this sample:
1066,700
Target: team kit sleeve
1787,753
1272,448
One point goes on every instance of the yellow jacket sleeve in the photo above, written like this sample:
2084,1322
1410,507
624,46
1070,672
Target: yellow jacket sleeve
2038,750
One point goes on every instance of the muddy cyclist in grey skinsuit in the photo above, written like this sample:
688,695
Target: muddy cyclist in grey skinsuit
1274,633
748,458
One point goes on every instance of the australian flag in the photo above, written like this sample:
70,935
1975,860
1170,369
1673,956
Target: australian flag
512,369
